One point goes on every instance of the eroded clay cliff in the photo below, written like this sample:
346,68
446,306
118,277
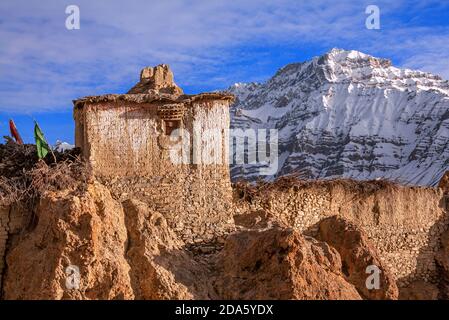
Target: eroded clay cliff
295,244
124,250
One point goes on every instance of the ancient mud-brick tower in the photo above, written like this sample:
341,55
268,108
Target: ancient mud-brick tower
163,141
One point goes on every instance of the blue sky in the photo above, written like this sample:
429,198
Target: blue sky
209,45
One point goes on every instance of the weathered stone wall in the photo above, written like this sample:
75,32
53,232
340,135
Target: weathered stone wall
129,151
128,139
4,219
404,223
12,221
196,204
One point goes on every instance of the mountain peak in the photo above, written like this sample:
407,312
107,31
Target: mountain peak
358,67
343,65
355,58
349,114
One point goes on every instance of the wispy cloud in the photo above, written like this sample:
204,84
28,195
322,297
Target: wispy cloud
209,44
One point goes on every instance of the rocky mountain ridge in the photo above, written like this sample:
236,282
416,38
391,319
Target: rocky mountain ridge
347,114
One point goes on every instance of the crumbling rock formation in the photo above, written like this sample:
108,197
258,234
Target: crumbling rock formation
122,252
442,259
357,253
128,251
279,263
125,249
160,268
159,79
87,231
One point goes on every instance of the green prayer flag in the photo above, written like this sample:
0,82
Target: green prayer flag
41,144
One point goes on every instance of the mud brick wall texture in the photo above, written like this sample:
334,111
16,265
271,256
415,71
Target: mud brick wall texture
404,223
129,139
12,221
129,150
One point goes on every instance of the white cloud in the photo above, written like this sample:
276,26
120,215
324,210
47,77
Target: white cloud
43,66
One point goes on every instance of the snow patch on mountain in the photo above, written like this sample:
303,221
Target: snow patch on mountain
61,146
348,114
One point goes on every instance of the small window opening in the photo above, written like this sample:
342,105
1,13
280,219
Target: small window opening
171,125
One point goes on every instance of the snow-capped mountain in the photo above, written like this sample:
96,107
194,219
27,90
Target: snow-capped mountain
62,146
348,114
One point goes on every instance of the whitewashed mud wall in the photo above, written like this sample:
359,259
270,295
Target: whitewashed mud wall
128,150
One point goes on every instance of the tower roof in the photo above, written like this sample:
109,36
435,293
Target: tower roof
156,84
